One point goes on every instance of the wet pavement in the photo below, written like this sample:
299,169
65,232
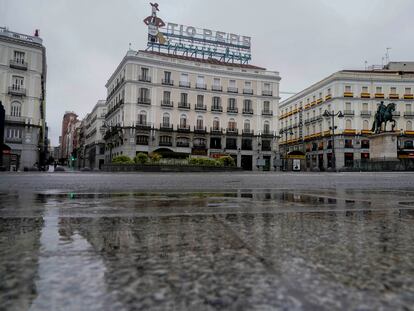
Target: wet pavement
207,241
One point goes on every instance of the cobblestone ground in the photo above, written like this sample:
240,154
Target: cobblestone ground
239,241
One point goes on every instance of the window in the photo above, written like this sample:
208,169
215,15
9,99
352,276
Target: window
348,124
216,82
349,159
266,145
409,126
166,119
232,83
184,98
393,90
247,85
216,102
364,106
365,89
408,107
348,143
407,90
19,57
247,105
183,121
165,141
246,126
142,117
200,100
200,122
231,143
232,125
144,93
216,124
142,140
16,109
378,89
347,106
144,74
266,86
14,133
167,77
266,127
232,104
365,125
329,92
17,82
200,80
365,144
184,77
348,88
167,96
266,106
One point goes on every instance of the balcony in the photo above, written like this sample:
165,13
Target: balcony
200,107
248,91
379,95
217,88
348,94
247,132
409,114
201,86
232,110
328,97
232,131
408,96
247,111
216,131
267,134
183,105
166,127
13,140
365,113
18,64
394,96
165,143
143,126
267,112
396,114
183,128
17,91
267,93
144,101
167,82
365,95
144,78
217,108
14,119
167,103
200,130
232,89
186,84
349,112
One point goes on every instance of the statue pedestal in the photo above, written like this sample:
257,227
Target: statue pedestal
384,146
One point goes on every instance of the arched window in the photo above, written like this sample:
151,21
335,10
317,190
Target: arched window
183,121
16,109
365,125
200,123
266,127
232,125
246,126
216,124
142,117
409,126
166,119
348,124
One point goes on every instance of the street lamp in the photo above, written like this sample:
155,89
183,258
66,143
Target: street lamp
287,131
332,115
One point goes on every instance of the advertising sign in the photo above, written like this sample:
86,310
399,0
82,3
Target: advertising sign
296,164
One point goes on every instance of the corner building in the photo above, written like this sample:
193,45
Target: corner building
357,94
180,106
23,92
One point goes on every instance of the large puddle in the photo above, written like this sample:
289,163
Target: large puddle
222,250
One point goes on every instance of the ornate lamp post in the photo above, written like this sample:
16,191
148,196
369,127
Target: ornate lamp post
332,115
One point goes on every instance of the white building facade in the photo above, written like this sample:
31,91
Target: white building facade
94,143
357,94
182,106
22,93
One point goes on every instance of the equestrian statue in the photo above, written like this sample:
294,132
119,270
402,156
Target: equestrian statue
383,115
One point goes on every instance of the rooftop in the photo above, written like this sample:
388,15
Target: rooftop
4,32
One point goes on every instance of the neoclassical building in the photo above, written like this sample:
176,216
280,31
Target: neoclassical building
181,106
356,94
22,93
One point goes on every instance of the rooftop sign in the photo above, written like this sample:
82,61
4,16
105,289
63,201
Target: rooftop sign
191,41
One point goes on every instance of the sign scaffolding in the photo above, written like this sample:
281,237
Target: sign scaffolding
195,42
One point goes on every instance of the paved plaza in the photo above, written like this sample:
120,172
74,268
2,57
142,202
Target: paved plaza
207,241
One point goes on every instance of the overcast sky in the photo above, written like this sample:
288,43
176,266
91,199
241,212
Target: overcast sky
305,40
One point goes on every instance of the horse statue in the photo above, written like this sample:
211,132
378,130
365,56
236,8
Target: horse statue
383,115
